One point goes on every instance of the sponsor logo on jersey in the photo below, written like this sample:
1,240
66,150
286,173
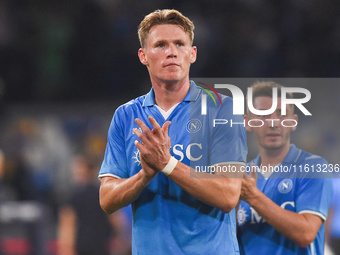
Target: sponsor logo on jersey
136,157
179,151
255,217
241,215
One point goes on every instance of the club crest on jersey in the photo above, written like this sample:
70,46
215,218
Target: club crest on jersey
193,126
285,186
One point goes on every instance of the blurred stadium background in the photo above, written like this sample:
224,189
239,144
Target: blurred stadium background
66,65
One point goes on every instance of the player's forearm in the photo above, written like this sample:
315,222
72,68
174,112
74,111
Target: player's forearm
290,224
118,193
222,193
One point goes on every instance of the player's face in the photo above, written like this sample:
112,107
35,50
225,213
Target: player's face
272,135
168,53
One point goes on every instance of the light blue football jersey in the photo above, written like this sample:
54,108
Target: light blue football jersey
335,204
167,219
298,194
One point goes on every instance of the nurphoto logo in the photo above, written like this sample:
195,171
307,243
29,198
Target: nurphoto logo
239,102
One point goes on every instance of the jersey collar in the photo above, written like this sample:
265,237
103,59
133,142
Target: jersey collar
293,155
291,158
192,95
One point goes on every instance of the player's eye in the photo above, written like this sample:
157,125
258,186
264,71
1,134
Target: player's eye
160,45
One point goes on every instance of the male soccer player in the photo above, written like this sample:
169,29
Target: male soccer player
280,214
173,213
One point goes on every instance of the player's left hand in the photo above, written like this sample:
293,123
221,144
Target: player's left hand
155,146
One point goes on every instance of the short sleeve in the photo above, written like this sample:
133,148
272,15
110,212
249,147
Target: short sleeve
114,163
314,196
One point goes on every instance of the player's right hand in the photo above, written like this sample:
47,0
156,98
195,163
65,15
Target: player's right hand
155,144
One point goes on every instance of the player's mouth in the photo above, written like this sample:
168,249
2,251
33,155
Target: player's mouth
273,135
171,64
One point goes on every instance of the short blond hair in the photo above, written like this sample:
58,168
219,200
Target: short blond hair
165,16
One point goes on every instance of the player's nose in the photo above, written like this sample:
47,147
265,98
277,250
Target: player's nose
172,51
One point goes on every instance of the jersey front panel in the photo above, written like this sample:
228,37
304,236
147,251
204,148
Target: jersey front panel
300,195
166,219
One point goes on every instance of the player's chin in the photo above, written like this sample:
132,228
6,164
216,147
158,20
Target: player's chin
173,78
273,145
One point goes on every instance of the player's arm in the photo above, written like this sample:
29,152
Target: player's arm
300,228
218,191
117,193
222,193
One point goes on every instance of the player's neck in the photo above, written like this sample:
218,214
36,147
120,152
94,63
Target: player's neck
167,94
273,157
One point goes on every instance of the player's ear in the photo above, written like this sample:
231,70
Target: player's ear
193,54
246,119
142,56
296,118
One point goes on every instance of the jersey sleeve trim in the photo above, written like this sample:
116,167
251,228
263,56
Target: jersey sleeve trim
315,213
110,175
312,248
